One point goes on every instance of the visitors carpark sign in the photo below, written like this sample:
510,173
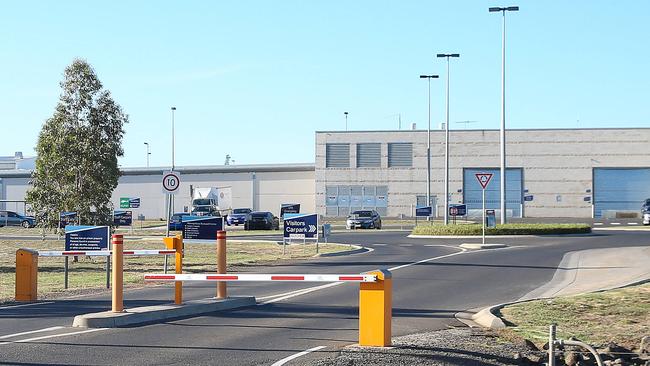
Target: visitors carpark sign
301,226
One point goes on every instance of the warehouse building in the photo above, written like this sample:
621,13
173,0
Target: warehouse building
578,173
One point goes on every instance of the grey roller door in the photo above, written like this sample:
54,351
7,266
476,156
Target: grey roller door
620,190
337,155
368,155
472,191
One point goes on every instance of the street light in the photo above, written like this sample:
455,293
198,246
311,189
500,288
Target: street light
447,55
346,120
429,77
503,108
148,153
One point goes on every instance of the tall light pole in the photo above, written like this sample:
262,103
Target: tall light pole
346,120
503,108
170,210
447,55
429,77
173,110
148,153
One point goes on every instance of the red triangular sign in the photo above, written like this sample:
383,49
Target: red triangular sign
483,179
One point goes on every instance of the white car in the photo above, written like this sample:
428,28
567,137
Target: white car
646,218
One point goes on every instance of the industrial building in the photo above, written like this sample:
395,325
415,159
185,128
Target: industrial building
582,173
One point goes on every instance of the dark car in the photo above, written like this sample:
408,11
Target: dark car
238,216
10,218
261,220
645,212
363,219
176,221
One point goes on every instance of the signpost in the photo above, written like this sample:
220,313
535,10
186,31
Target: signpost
201,228
171,182
123,218
483,180
67,218
300,226
457,210
289,208
422,211
85,238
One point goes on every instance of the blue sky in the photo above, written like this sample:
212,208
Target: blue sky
255,79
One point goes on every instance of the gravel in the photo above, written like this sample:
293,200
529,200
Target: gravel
457,346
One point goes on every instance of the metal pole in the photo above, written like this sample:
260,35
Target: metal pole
483,241
503,122
551,345
65,273
447,152
429,152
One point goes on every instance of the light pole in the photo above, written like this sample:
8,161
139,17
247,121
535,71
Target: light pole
346,120
429,77
503,109
170,209
148,153
447,55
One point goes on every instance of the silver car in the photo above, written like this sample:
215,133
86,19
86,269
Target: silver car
363,219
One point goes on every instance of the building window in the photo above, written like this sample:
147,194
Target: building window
368,155
337,155
400,154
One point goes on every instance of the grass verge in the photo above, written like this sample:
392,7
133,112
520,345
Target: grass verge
90,272
505,229
621,316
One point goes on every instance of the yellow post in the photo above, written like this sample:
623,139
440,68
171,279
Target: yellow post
222,291
118,272
26,275
375,310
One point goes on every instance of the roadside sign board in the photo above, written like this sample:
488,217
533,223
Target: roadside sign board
129,202
528,198
201,227
289,208
423,211
327,231
171,181
490,219
301,226
84,238
484,179
123,218
458,210
67,218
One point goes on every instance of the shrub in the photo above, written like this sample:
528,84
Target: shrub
506,229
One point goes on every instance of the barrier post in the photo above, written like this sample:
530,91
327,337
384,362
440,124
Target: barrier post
26,275
118,272
222,291
375,310
176,243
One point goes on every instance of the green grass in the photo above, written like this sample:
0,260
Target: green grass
621,315
506,229
90,272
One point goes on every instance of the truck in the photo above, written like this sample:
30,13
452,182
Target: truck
211,201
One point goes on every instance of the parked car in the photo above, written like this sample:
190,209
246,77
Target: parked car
645,212
363,219
262,220
176,221
238,216
10,218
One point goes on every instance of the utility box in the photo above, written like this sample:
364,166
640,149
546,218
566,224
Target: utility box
26,275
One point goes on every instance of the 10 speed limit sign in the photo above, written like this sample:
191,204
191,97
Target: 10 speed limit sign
171,182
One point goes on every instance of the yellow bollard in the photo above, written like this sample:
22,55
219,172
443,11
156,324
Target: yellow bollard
222,290
177,244
26,275
375,310
118,273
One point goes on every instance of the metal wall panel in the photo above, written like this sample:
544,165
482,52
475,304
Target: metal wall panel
620,189
369,155
337,155
400,154
472,191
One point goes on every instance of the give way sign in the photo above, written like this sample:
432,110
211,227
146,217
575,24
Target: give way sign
483,179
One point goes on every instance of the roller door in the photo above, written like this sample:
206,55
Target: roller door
620,192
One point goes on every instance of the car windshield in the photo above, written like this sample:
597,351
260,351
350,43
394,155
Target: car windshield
259,215
241,211
202,209
202,202
362,214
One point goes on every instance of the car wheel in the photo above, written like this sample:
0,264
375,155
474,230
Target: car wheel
378,227
25,224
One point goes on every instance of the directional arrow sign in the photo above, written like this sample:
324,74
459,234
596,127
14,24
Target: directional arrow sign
301,226
483,179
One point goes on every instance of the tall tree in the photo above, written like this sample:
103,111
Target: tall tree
77,151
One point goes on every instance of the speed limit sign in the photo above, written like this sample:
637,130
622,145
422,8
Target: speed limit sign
171,182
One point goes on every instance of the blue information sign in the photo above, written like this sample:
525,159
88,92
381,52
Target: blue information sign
67,218
457,210
423,211
134,202
123,218
84,238
528,198
289,208
201,227
302,226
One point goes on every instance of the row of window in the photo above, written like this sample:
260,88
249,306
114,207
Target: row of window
400,154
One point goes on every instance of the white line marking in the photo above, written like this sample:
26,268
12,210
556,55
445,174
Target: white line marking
287,359
23,305
406,245
301,292
30,332
379,245
598,223
53,336
427,260
616,223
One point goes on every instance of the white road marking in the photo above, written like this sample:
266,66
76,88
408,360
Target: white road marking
616,223
53,336
31,332
633,223
287,359
427,260
24,305
301,292
406,245
379,245
598,223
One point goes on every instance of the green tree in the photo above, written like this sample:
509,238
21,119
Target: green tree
77,151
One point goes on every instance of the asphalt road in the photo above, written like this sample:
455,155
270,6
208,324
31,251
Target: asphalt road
433,280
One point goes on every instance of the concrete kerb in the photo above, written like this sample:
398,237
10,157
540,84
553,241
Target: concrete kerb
478,246
159,313
357,250
412,236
